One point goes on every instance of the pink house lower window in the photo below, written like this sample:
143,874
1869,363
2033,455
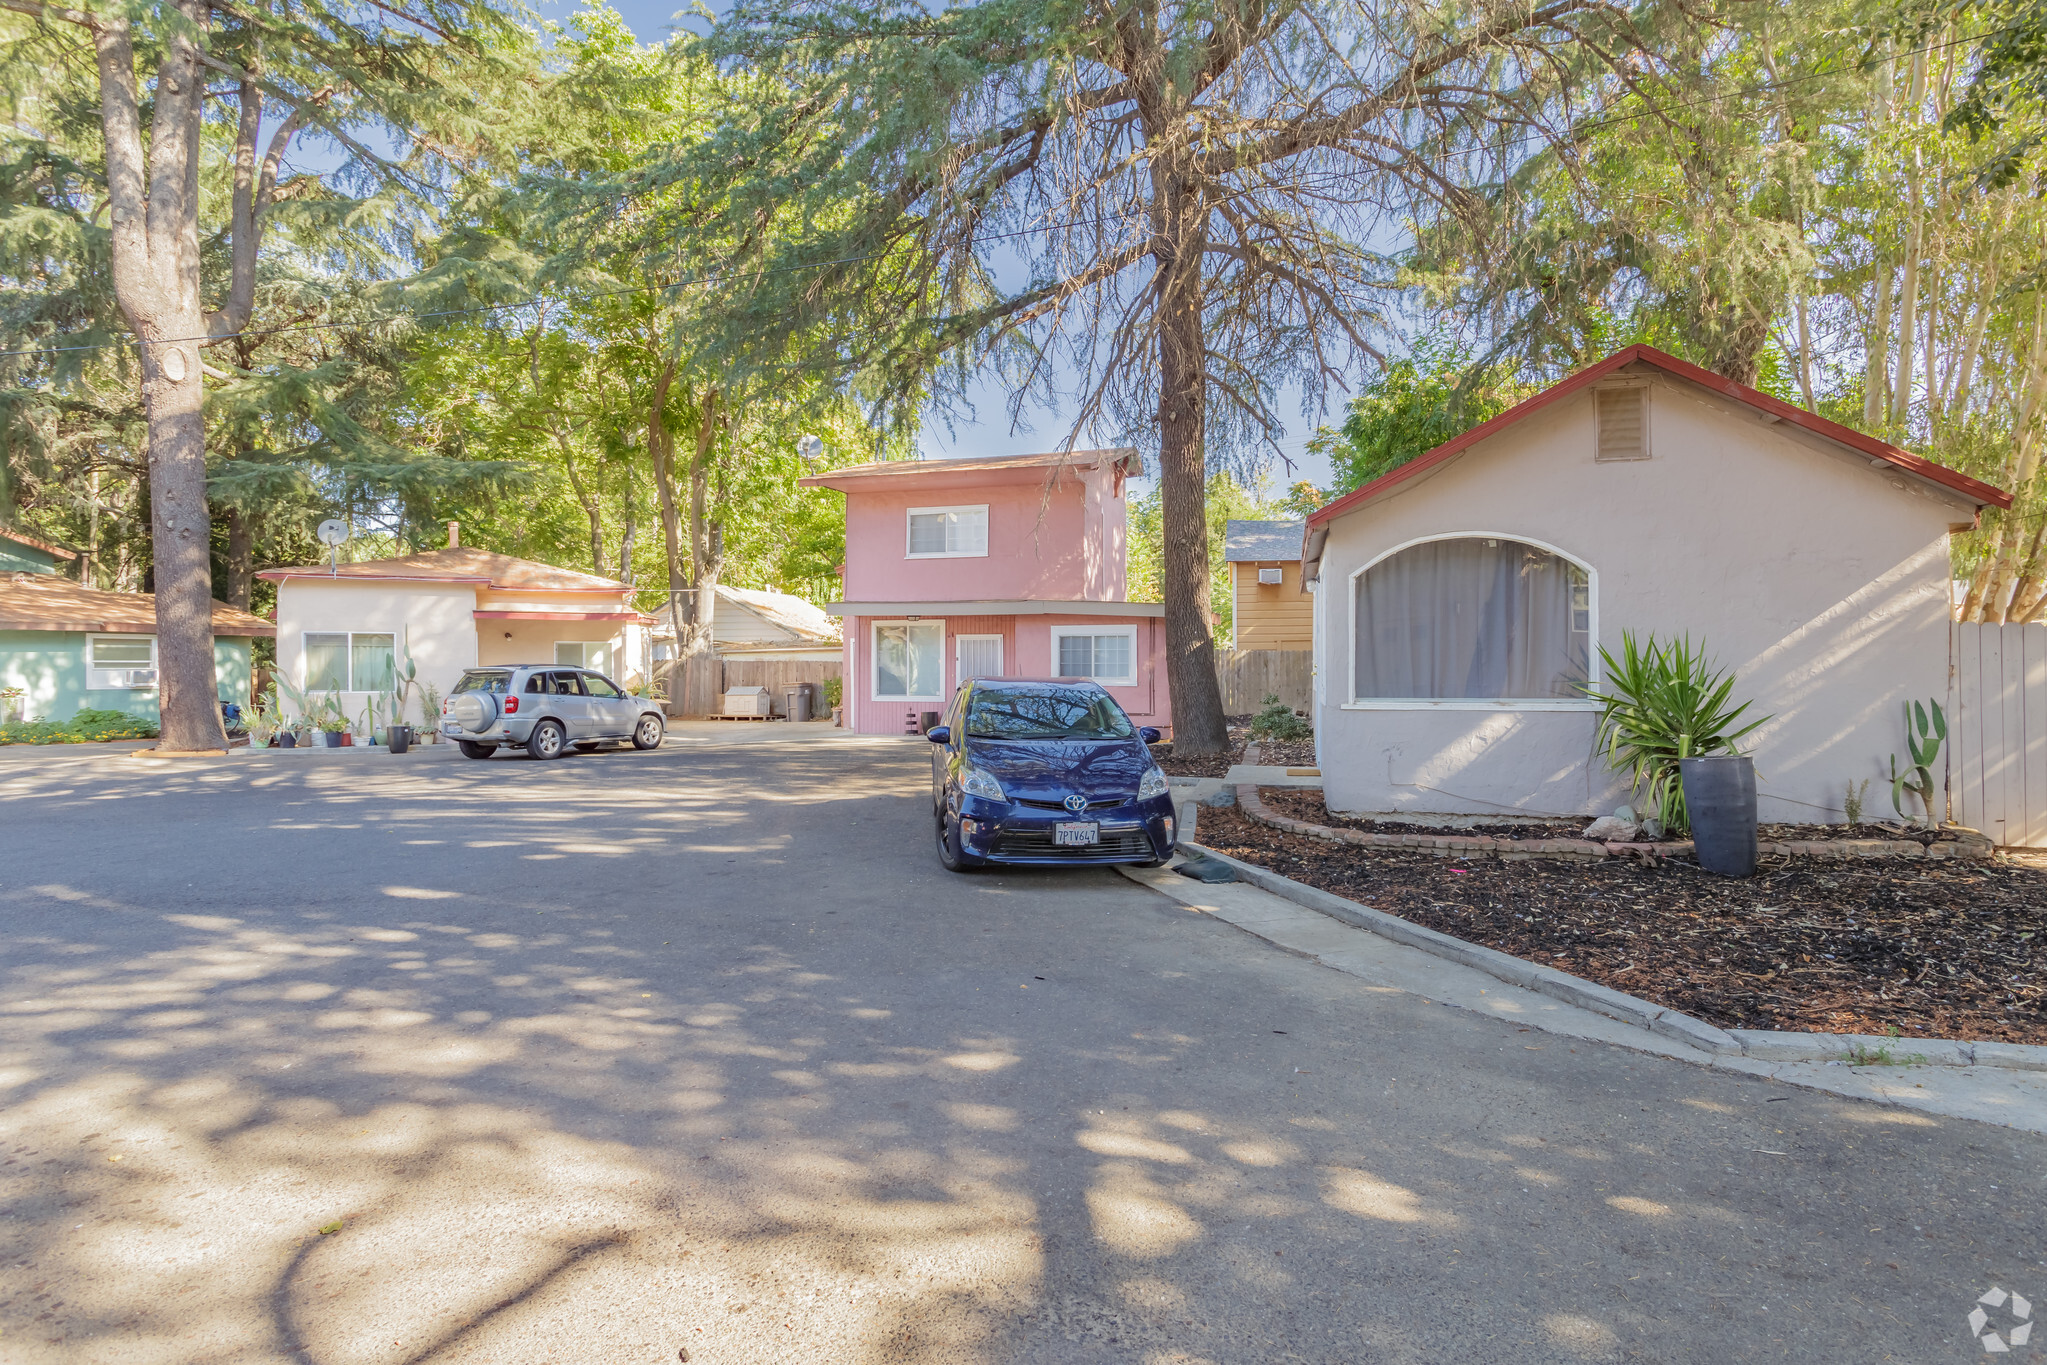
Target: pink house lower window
909,660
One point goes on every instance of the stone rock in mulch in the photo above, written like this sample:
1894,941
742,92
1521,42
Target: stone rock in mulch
1613,828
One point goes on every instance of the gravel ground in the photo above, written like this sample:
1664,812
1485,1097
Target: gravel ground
1948,950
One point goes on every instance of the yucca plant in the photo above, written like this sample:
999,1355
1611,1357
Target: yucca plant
1660,703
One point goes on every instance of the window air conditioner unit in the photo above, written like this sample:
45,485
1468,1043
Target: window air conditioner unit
139,677
1269,577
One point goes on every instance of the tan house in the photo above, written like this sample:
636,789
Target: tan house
1268,609
343,628
1463,598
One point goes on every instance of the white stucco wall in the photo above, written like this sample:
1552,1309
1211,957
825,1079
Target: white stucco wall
436,621
1820,580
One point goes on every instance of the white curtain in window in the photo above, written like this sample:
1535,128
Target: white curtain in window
1498,620
371,666
326,663
909,660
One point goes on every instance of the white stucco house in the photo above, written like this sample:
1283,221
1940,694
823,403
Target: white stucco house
1462,599
342,628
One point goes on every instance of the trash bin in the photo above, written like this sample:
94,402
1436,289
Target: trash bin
796,701
927,722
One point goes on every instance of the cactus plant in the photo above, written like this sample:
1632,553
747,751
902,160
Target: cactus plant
1924,735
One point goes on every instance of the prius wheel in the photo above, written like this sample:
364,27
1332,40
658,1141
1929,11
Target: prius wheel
647,734
949,855
548,741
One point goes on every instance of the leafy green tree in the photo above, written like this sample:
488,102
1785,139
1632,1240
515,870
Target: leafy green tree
425,76
1412,405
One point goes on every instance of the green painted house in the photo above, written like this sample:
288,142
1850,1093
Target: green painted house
70,647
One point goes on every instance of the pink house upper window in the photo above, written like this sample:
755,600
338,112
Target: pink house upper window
947,532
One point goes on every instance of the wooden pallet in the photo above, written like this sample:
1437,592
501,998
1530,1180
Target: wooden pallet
725,717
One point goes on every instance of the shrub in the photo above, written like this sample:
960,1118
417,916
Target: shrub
88,726
1660,703
1278,721
834,691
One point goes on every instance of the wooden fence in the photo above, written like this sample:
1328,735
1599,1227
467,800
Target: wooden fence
1252,675
697,687
1997,732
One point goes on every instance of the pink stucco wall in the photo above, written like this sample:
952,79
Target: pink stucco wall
1052,534
1026,653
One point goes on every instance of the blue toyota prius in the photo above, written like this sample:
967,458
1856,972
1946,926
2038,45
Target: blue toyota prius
1046,773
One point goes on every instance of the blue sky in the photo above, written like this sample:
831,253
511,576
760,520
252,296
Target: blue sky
989,433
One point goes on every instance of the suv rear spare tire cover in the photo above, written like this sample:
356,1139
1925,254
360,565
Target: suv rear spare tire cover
474,711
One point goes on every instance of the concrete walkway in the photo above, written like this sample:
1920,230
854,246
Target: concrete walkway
2015,1099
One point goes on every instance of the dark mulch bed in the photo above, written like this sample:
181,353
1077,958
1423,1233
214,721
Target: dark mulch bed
1941,950
1291,753
1205,765
1298,803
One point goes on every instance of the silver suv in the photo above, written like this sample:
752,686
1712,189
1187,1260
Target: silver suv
543,709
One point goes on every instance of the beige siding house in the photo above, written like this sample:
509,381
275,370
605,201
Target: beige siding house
1268,608
1461,599
342,628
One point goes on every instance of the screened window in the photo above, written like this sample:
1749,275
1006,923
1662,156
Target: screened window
909,660
591,654
1107,655
339,662
1473,618
948,532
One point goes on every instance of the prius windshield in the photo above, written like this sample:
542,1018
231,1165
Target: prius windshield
1081,713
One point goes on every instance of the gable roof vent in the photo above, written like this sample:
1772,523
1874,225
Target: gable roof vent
1623,421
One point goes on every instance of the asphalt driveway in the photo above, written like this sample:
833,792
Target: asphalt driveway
631,1055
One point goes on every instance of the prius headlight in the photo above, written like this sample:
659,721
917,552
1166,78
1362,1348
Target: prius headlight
974,782
1154,784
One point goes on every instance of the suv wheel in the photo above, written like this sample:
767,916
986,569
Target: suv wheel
647,734
548,740
471,749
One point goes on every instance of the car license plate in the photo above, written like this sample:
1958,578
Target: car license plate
452,727
1076,832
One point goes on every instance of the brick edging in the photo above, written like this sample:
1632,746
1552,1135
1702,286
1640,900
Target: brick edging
1593,850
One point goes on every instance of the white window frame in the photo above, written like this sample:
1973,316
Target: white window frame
874,692
1130,632
92,672
351,690
959,673
910,514
1350,635
604,645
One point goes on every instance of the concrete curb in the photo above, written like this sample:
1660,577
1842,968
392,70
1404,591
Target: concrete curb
1976,847
1666,1023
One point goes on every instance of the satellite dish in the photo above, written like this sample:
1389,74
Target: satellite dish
333,532
809,447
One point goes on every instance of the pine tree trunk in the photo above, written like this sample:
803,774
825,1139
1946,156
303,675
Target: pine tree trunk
153,202
241,556
1199,726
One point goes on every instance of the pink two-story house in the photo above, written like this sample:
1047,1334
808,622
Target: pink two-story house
1010,567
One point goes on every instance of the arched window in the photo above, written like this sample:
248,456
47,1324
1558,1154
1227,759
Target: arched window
1473,618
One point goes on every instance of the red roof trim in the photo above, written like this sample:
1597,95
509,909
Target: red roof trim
279,575
563,616
1919,465
23,538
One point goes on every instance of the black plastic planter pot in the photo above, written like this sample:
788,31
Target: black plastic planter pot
399,737
1720,793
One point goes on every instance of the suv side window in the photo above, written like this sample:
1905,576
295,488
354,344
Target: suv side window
538,683
601,686
565,684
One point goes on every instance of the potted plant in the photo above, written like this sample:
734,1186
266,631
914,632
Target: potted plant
332,722
12,699
261,719
430,711
1664,716
834,693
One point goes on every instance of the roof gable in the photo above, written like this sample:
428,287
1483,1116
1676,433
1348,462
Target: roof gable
1244,541
963,472
460,564
1983,494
